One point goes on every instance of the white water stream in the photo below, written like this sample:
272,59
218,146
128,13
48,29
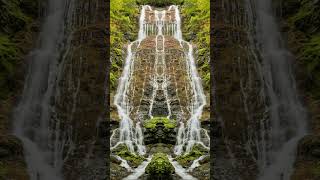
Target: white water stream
129,135
41,137
287,118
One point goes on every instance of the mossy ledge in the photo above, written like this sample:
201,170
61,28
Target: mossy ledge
132,159
186,160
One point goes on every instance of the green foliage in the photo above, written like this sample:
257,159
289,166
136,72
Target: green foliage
160,165
311,60
308,17
124,28
305,21
133,159
160,3
12,18
196,28
8,59
168,123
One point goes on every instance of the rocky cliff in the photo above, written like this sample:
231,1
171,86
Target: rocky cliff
238,107
80,101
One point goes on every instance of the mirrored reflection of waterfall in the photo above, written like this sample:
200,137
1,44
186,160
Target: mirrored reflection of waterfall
287,118
191,134
42,140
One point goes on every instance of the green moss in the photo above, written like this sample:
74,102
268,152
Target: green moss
160,165
133,159
160,3
186,159
152,123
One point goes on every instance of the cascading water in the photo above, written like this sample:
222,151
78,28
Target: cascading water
41,137
287,118
157,27
193,129
127,135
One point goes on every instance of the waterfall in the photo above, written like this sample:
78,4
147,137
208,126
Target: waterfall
156,27
160,79
129,135
33,124
193,128
287,118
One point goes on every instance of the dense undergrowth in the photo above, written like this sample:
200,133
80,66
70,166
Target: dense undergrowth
15,16
196,28
303,19
124,28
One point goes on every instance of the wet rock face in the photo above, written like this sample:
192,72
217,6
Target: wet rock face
80,102
239,105
170,88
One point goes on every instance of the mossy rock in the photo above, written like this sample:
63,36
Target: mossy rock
159,165
187,159
132,159
152,123
160,130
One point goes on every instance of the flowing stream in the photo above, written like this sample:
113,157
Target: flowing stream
42,140
287,118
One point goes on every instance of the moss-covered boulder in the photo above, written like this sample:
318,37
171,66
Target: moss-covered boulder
132,159
159,130
159,166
